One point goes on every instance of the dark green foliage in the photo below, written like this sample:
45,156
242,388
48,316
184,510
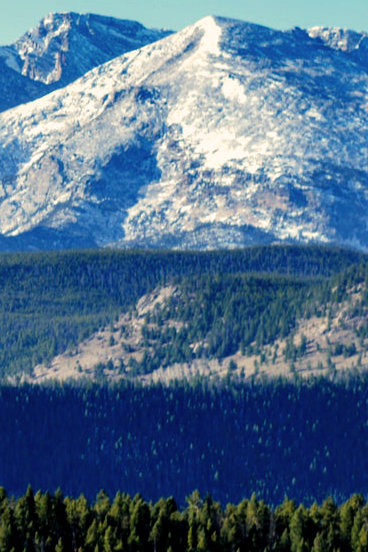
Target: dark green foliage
132,524
274,438
228,313
50,301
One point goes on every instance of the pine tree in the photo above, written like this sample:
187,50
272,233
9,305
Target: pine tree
7,530
59,546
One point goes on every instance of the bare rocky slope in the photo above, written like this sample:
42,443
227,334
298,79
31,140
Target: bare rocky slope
220,135
331,345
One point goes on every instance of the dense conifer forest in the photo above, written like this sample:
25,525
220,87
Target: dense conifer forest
304,439
53,523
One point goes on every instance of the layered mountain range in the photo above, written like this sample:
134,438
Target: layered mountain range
221,135
62,48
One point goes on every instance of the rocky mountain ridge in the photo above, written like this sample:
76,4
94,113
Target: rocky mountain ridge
62,48
345,40
221,135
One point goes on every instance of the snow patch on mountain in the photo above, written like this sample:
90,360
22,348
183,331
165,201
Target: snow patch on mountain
10,57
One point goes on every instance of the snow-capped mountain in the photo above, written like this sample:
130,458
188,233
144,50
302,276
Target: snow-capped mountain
342,39
62,48
223,134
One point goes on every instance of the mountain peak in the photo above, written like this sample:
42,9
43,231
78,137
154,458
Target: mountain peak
223,134
337,38
212,30
65,45
218,20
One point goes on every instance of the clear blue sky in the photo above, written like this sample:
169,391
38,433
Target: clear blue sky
17,16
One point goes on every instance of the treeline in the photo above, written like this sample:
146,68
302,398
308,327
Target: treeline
52,523
302,439
50,302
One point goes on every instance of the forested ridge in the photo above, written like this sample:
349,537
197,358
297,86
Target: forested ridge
50,302
225,313
51,523
305,439
227,437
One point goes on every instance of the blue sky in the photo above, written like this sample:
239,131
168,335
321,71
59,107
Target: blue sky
17,16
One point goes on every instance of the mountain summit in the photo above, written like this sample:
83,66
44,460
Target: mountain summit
342,39
224,134
63,47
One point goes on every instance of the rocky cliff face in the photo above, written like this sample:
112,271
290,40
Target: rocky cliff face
64,46
344,40
61,49
221,135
